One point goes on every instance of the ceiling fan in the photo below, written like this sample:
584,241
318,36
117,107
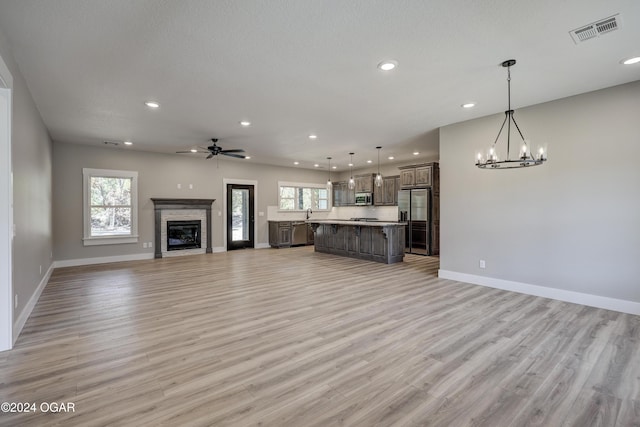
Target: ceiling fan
214,150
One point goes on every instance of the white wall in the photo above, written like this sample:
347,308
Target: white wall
571,225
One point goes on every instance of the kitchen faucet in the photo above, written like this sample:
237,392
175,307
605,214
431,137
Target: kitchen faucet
309,212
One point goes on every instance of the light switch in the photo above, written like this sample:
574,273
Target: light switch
179,186
190,186
260,213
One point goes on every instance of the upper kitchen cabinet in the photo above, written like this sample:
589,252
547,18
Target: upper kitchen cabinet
387,195
408,177
342,195
364,183
423,175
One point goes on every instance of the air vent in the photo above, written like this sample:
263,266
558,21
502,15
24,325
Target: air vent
596,29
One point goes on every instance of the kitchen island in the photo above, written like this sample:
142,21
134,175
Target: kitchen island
379,241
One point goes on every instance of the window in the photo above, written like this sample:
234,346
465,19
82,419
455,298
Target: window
300,197
110,206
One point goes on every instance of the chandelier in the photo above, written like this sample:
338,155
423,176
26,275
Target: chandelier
527,158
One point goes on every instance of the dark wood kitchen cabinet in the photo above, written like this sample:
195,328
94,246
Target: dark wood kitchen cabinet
342,195
364,183
387,195
417,175
426,175
279,234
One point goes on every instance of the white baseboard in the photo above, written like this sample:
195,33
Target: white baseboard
101,260
28,308
217,249
590,300
262,246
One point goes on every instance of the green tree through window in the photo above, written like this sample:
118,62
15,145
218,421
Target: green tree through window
110,212
303,198
110,206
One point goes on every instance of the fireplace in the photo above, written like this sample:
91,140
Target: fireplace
183,235
179,210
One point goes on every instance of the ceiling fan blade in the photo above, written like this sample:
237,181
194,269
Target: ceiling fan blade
191,152
209,156
235,150
239,156
203,148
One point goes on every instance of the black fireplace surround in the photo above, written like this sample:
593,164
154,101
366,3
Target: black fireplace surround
183,235
161,204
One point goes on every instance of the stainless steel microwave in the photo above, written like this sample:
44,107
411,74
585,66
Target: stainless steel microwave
363,199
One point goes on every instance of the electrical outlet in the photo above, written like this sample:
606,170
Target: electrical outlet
144,245
150,244
190,186
483,264
40,269
179,186
15,303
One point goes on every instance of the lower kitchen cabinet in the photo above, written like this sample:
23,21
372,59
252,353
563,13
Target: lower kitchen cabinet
283,234
279,234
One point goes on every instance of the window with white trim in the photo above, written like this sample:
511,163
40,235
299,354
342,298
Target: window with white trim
300,197
110,206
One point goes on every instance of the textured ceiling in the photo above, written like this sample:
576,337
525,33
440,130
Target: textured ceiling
298,67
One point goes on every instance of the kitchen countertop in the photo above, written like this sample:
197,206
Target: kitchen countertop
369,223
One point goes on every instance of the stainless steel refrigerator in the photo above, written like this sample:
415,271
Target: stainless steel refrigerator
414,208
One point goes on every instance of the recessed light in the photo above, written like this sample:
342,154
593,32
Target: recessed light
316,165
415,153
193,150
152,104
296,163
630,61
390,157
312,136
128,143
350,164
245,123
247,157
369,161
387,65
468,105
334,167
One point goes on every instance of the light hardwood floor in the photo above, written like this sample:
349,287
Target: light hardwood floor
293,338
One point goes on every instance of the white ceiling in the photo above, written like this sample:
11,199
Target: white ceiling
296,67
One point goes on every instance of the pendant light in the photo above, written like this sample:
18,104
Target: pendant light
329,183
378,180
352,183
527,158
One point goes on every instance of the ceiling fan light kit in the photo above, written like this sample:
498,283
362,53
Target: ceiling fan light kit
526,158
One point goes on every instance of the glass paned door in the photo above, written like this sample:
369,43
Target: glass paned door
240,219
